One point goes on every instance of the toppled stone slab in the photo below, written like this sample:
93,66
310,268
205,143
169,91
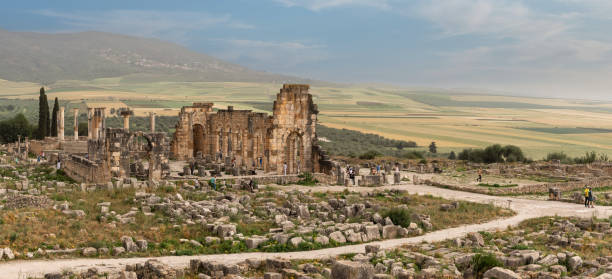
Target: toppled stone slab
352,270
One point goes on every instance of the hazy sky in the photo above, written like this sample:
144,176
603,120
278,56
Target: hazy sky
535,47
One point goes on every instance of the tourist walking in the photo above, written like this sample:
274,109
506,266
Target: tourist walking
479,175
352,175
591,198
586,196
285,168
213,183
59,163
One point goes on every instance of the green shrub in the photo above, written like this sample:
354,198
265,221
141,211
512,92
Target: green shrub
13,237
399,216
413,155
556,156
520,247
588,158
493,154
307,179
352,143
483,262
369,155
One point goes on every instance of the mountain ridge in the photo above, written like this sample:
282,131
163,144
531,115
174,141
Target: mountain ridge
48,57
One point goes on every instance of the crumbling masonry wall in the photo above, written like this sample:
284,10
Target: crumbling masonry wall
254,140
84,170
119,153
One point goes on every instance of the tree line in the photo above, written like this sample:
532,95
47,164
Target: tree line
19,126
492,154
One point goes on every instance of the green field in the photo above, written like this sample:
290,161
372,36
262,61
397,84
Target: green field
455,120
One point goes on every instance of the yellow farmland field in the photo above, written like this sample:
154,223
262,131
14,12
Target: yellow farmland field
455,120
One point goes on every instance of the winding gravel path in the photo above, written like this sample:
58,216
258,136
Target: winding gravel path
525,209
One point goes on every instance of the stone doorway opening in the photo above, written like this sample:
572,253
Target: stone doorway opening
198,140
294,153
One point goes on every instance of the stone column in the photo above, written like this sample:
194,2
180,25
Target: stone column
89,123
76,123
152,116
60,124
126,113
18,145
126,122
102,127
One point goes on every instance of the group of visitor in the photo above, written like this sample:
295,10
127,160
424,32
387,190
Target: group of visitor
351,173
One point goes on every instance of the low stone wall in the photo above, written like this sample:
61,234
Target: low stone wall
371,180
74,147
84,170
265,180
526,189
38,146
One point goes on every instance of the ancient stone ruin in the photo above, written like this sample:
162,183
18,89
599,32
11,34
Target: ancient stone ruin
240,141
250,139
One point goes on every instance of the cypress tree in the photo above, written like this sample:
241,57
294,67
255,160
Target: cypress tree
47,118
43,115
54,118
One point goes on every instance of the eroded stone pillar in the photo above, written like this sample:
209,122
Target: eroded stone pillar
102,123
60,124
76,123
152,116
90,123
126,122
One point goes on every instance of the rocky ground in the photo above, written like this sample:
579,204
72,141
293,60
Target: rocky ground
45,215
549,247
287,231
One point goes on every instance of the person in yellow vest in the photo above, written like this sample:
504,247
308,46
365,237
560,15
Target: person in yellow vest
586,196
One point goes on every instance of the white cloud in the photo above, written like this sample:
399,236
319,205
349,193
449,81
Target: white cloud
489,17
317,5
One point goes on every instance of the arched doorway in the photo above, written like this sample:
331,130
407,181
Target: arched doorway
141,162
198,140
294,153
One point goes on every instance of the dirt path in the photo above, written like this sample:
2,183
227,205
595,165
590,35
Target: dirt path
525,209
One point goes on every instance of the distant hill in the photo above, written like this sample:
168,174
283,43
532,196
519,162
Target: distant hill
45,58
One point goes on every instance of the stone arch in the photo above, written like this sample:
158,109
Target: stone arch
199,139
135,144
142,144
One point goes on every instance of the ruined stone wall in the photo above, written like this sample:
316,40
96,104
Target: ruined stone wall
123,149
295,117
38,146
86,171
190,118
74,147
114,155
238,135
242,136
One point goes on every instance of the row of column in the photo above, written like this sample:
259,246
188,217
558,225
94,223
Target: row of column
96,122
